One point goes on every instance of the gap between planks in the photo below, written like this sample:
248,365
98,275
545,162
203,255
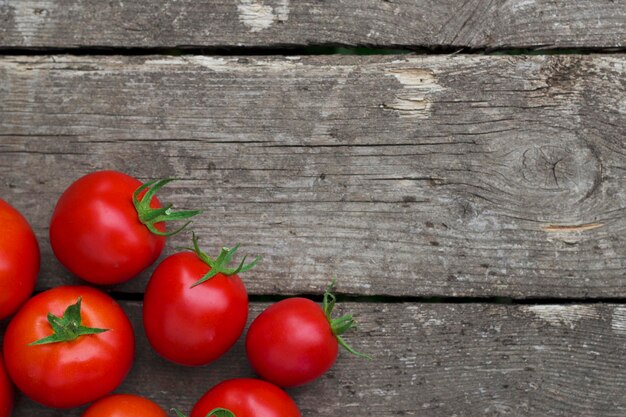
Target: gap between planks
310,50
385,299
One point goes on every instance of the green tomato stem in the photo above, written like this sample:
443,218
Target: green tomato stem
150,216
339,325
68,327
220,264
217,412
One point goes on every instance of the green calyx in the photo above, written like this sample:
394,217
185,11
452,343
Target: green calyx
339,325
67,328
219,265
217,412
150,216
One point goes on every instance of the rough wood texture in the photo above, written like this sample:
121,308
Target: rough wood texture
434,360
165,23
466,176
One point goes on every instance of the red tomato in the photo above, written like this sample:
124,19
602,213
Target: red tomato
6,392
291,343
247,398
295,341
19,260
124,405
189,323
91,362
105,234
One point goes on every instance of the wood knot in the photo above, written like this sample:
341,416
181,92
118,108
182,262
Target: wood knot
553,168
562,71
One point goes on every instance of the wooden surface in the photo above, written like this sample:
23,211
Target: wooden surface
433,360
466,176
405,176
262,23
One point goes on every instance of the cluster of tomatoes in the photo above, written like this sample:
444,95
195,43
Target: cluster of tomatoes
72,345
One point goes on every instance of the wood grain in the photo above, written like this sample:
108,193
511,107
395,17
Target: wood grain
403,176
276,23
435,360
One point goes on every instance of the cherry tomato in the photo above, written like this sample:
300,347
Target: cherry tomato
77,354
19,260
6,392
124,405
247,398
107,227
294,341
195,308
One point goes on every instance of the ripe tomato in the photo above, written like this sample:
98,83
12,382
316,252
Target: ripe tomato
124,405
195,308
294,341
19,260
245,398
6,392
78,353
107,227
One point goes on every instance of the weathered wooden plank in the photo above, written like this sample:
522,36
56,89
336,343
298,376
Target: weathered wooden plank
163,23
435,360
471,176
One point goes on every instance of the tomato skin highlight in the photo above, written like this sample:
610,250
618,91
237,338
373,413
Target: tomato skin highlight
124,405
69,374
95,230
193,326
247,397
291,343
19,260
6,392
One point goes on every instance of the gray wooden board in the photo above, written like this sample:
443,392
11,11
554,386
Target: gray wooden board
433,360
404,176
164,23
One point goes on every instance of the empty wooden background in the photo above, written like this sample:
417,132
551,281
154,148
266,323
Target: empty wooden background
471,204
